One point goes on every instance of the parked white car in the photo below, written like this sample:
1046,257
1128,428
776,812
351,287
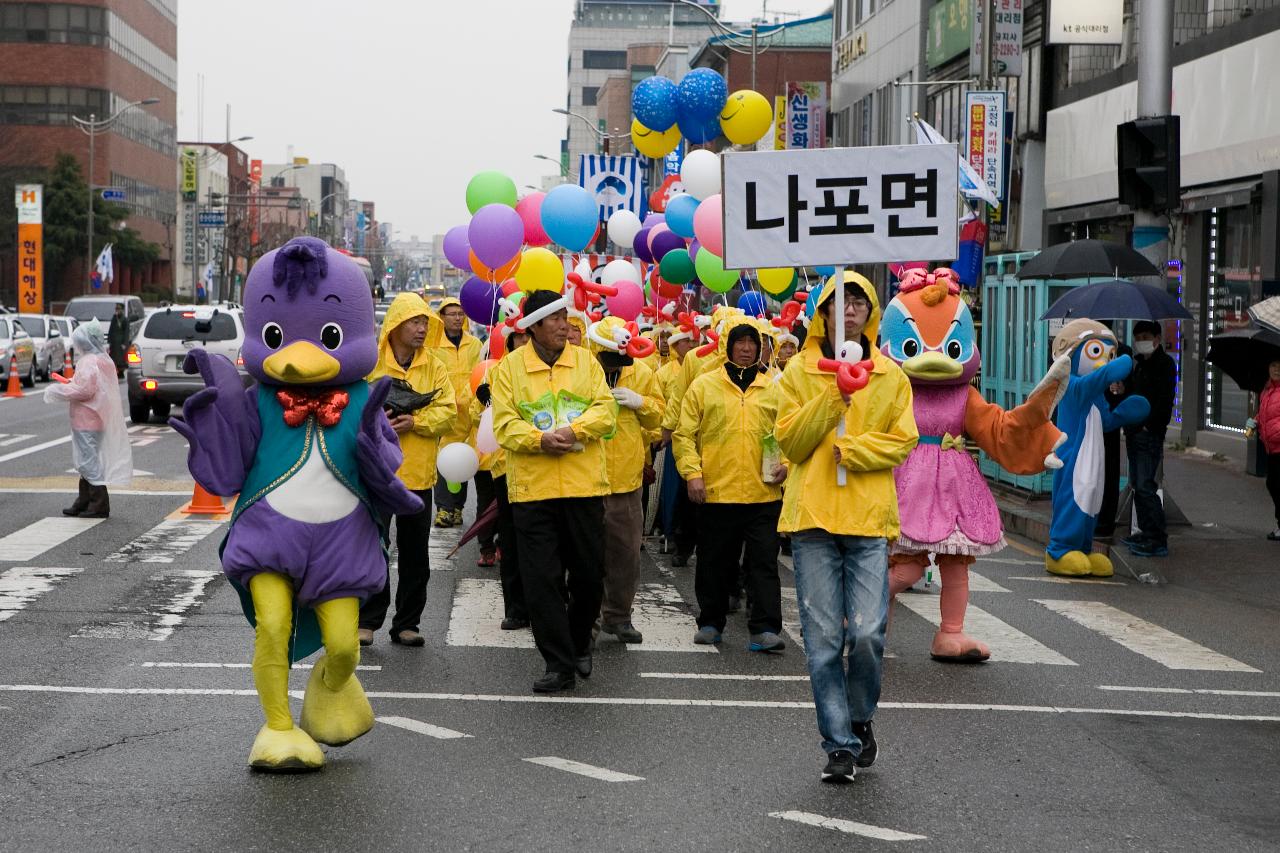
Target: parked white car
16,343
51,346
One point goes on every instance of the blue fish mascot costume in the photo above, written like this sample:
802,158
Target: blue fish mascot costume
1083,414
313,458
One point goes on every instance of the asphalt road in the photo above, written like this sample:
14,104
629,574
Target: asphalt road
127,709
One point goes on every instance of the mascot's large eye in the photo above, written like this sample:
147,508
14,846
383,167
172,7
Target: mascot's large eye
272,335
955,350
331,336
911,348
1093,349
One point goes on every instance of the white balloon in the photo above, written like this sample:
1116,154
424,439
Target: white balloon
700,173
486,441
619,270
457,462
583,269
623,228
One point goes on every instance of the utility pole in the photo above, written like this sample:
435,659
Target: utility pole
1155,100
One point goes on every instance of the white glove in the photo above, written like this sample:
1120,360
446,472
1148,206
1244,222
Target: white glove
1052,461
1251,424
628,398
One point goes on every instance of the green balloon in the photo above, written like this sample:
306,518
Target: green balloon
490,188
676,266
454,487
790,291
711,272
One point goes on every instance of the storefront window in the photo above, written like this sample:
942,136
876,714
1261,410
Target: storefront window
1235,283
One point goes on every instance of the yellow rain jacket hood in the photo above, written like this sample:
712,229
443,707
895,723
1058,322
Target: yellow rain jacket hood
425,374
459,361
880,431
695,365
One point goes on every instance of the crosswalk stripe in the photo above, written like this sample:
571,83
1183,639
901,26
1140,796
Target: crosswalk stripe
603,774
477,612
1090,581
1008,644
441,543
849,827
21,585
164,608
165,542
660,614
1166,648
7,439
42,535
410,724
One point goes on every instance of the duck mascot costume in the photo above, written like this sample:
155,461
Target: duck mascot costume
1089,348
313,458
943,500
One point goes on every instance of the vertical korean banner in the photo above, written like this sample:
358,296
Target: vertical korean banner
29,199
806,115
984,137
780,123
255,187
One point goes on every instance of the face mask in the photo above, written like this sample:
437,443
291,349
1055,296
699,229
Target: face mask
1144,347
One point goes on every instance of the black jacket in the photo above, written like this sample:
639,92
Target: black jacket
1155,378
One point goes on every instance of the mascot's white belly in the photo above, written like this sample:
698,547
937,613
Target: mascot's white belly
313,495
1089,473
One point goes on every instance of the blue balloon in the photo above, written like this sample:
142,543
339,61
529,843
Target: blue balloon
570,216
752,303
696,131
701,95
811,304
654,103
680,214
825,272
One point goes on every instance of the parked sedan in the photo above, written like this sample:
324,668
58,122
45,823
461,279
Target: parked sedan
51,346
67,325
155,377
16,343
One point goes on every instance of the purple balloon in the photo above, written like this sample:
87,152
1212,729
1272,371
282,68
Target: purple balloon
694,246
479,299
457,248
665,242
495,234
640,245
653,219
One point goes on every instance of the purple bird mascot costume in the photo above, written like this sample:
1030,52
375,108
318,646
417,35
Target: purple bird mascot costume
310,453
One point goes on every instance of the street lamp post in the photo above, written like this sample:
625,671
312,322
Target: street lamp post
92,127
564,171
201,160
601,137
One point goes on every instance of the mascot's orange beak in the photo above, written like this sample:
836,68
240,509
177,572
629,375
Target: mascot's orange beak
301,363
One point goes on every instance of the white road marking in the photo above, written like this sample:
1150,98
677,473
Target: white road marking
42,535
1051,579
165,542
791,616
477,613
1010,561
185,665
36,448
421,728
174,595
186,493
1204,691
1166,648
7,439
441,543
660,614
710,676
977,582
601,773
21,585
1008,644
524,699
850,827
137,472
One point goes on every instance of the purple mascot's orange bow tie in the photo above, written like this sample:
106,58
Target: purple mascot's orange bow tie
327,406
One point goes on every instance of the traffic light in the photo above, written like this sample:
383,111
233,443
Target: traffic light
1148,163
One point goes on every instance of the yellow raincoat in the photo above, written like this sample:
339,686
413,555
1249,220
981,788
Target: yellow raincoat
459,361
880,431
523,377
628,451
425,374
721,432
694,366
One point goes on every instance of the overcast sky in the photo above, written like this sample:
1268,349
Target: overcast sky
410,97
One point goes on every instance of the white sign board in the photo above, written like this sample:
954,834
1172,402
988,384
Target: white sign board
1006,56
29,200
1085,22
984,130
834,206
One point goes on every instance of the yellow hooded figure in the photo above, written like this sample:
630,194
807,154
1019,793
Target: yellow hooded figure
695,365
459,359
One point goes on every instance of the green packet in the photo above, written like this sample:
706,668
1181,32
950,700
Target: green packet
771,457
551,412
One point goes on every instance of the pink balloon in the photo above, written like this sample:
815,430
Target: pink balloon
708,226
628,301
530,210
654,232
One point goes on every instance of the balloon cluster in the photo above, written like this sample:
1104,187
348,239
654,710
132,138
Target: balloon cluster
699,109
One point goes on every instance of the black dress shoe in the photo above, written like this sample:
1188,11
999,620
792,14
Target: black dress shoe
583,665
554,682
514,623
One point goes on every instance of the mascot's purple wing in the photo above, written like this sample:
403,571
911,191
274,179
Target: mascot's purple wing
378,454
219,423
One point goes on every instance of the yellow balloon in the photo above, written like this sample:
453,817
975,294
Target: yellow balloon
746,117
540,269
653,143
775,280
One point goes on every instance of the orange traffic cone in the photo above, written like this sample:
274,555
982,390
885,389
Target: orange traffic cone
15,387
204,503
68,369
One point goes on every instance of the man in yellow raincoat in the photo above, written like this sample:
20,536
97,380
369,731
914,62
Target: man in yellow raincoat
839,533
551,410
459,352
405,344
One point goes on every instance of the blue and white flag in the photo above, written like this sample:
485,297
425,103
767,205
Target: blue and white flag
971,183
614,180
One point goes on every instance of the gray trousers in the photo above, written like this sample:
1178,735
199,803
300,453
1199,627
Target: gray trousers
623,526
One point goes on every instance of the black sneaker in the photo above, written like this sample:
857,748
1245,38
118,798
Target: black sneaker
514,623
840,767
554,682
624,631
862,731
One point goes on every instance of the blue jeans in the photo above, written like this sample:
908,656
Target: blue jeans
842,587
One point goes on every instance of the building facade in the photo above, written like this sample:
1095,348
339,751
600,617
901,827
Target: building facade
201,248
323,185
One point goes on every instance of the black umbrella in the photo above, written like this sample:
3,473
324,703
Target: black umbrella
1086,259
1243,354
1117,299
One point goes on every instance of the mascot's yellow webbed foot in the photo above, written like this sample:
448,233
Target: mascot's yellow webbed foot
334,716
287,751
1100,565
1072,564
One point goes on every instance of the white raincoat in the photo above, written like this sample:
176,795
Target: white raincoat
99,440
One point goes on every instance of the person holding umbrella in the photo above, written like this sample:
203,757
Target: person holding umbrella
1154,377
1267,423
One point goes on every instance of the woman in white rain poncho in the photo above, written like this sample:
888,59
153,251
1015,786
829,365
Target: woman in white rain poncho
99,440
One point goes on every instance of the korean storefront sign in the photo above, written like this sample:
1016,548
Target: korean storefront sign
806,115
838,206
950,25
1085,22
984,136
29,199
1006,55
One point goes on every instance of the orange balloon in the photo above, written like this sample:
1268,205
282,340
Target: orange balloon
502,273
479,373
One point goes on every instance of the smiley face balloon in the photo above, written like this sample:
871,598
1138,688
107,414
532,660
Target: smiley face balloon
654,143
746,117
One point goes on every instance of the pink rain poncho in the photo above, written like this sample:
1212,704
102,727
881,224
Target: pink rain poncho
99,440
